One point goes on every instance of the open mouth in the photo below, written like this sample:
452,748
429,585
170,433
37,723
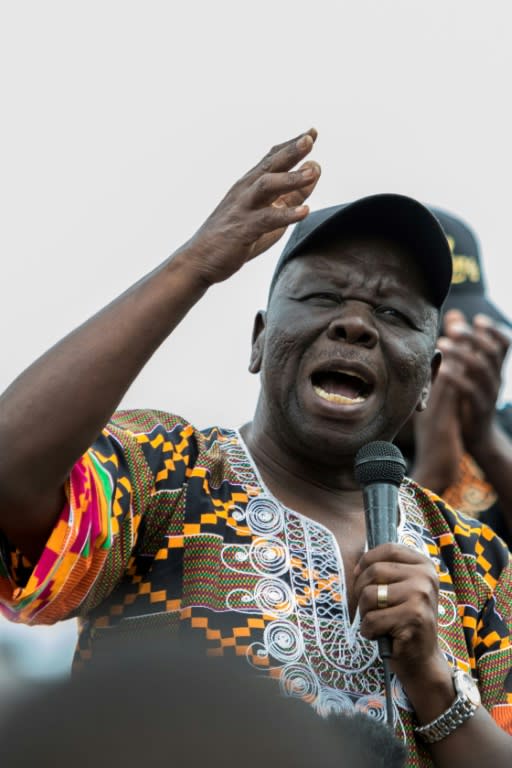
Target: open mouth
341,387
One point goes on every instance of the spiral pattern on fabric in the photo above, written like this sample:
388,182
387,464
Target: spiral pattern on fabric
264,516
284,641
275,597
269,557
298,680
374,706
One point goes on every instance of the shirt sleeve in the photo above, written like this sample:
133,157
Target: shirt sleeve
108,492
493,636
479,566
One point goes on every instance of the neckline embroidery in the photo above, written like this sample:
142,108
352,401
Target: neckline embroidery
309,641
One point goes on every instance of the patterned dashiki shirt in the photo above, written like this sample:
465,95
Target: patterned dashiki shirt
169,526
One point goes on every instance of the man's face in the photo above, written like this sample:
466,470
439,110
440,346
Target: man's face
346,349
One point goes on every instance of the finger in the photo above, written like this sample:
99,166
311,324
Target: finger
487,329
391,552
283,157
397,593
270,186
490,337
410,594
298,196
272,218
454,317
479,338
459,331
395,573
453,354
414,619
312,132
389,563
504,332
482,369
459,356
451,371
481,398
486,342
473,379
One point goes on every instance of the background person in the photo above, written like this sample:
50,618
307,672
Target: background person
461,447
159,702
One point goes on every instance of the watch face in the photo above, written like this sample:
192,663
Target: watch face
466,686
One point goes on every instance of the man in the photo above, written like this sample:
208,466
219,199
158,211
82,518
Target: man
461,446
255,540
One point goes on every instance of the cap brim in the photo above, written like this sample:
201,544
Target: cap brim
397,217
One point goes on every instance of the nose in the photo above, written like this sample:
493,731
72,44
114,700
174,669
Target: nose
355,325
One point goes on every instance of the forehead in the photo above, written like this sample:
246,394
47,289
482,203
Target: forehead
381,265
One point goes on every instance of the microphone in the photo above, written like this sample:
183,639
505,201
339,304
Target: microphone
379,468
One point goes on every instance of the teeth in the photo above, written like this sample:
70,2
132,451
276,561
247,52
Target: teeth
339,399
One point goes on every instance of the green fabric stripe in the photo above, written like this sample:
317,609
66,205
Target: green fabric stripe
107,484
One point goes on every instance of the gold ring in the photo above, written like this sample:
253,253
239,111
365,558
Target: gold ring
382,596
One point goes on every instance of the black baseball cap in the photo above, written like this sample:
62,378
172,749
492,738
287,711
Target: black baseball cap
392,216
467,291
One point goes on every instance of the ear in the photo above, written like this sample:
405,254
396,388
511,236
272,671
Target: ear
425,392
258,336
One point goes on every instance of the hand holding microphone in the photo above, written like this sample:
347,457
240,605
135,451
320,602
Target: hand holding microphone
395,585
379,469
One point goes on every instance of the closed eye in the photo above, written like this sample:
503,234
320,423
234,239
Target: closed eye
395,315
322,299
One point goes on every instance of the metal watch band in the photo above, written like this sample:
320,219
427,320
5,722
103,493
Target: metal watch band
461,709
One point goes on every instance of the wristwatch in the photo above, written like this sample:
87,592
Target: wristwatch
465,705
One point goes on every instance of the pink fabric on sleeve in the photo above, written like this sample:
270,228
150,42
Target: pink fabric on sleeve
74,554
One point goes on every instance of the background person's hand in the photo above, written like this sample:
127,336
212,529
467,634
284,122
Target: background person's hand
481,349
256,211
438,438
460,413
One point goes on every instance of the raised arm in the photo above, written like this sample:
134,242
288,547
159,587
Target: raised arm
54,410
461,413
482,352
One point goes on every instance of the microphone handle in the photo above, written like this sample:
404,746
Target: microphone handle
385,646
381,512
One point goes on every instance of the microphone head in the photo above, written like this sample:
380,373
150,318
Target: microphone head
379,462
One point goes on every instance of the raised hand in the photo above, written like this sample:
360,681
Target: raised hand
256,211
438,438
480,350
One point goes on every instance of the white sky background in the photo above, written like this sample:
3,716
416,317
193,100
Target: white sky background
123,124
